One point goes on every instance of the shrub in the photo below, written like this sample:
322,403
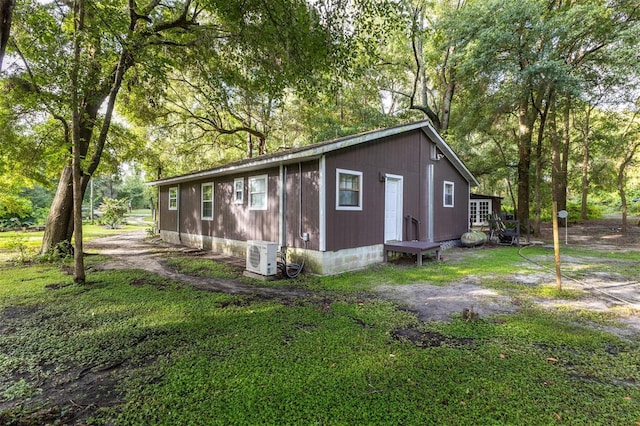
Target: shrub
113,212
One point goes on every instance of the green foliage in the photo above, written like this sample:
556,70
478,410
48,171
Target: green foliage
184,356
18,245
113,211
203,268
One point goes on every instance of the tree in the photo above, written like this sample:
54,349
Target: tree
533,60
6,14
627,151
118,43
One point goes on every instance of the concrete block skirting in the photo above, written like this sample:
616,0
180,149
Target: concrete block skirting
316,262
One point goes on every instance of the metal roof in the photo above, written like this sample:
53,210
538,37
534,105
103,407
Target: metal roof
295,155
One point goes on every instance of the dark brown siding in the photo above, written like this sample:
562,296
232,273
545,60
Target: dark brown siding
309,207
407,155
168,218
399,156
230,220
450,222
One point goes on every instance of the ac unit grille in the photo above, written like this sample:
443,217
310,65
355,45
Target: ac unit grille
261,257
254,256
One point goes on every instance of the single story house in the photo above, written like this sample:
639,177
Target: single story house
333,203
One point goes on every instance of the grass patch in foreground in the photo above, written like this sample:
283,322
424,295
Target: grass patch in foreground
203,267
180,356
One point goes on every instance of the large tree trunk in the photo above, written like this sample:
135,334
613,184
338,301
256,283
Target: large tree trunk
540,162
623,196
59,224
6,14
563,175
586,158
526,119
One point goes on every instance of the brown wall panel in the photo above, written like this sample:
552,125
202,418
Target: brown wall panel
399,156
305,202
168,218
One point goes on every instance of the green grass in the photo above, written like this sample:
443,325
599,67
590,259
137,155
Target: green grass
183,356
203,267
11,241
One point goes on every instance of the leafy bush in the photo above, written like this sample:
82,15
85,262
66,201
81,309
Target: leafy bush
114,211
575,211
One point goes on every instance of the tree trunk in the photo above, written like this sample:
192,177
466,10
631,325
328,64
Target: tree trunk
623,196
59,226
563,178
540,163
525,120
586,158
6,14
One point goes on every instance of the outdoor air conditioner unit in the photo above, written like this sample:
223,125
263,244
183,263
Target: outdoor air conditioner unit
261,257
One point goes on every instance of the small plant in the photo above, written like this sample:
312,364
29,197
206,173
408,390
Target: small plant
18,243
114,211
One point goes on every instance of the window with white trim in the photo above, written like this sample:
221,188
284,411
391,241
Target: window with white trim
206,211
348,190
173,198
258,192
238,190
448,194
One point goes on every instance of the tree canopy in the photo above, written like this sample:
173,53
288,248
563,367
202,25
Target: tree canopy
526,92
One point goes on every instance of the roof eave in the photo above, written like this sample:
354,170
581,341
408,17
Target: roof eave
450,155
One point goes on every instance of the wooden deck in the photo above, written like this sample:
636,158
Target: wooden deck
419,248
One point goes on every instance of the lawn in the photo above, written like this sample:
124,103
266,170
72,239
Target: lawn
133,348
16,244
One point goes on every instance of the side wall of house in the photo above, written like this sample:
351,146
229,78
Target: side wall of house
168,218
450,222
396,155
302,203
234,221
408,155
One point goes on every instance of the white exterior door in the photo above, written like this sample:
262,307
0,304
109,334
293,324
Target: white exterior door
479,211
393,208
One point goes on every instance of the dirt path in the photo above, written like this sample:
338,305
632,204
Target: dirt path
133,251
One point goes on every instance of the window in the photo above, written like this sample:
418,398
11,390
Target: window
448,194
479,211
258,192
173,198
207,201
238,190
348,190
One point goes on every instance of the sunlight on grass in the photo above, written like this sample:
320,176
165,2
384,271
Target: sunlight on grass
196,357
191,357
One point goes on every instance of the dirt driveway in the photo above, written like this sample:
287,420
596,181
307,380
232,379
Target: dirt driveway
604,291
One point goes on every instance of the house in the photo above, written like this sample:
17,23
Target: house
481,206
333,203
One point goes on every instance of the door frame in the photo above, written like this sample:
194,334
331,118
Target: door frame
399,202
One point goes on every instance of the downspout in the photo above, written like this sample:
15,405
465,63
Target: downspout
430,200
178,212
283,208
322,182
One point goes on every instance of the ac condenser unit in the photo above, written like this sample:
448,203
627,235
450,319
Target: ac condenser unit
261,257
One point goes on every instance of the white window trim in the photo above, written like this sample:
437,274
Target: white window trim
348,172
266,192
202,200
173,188
444,194
235,191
